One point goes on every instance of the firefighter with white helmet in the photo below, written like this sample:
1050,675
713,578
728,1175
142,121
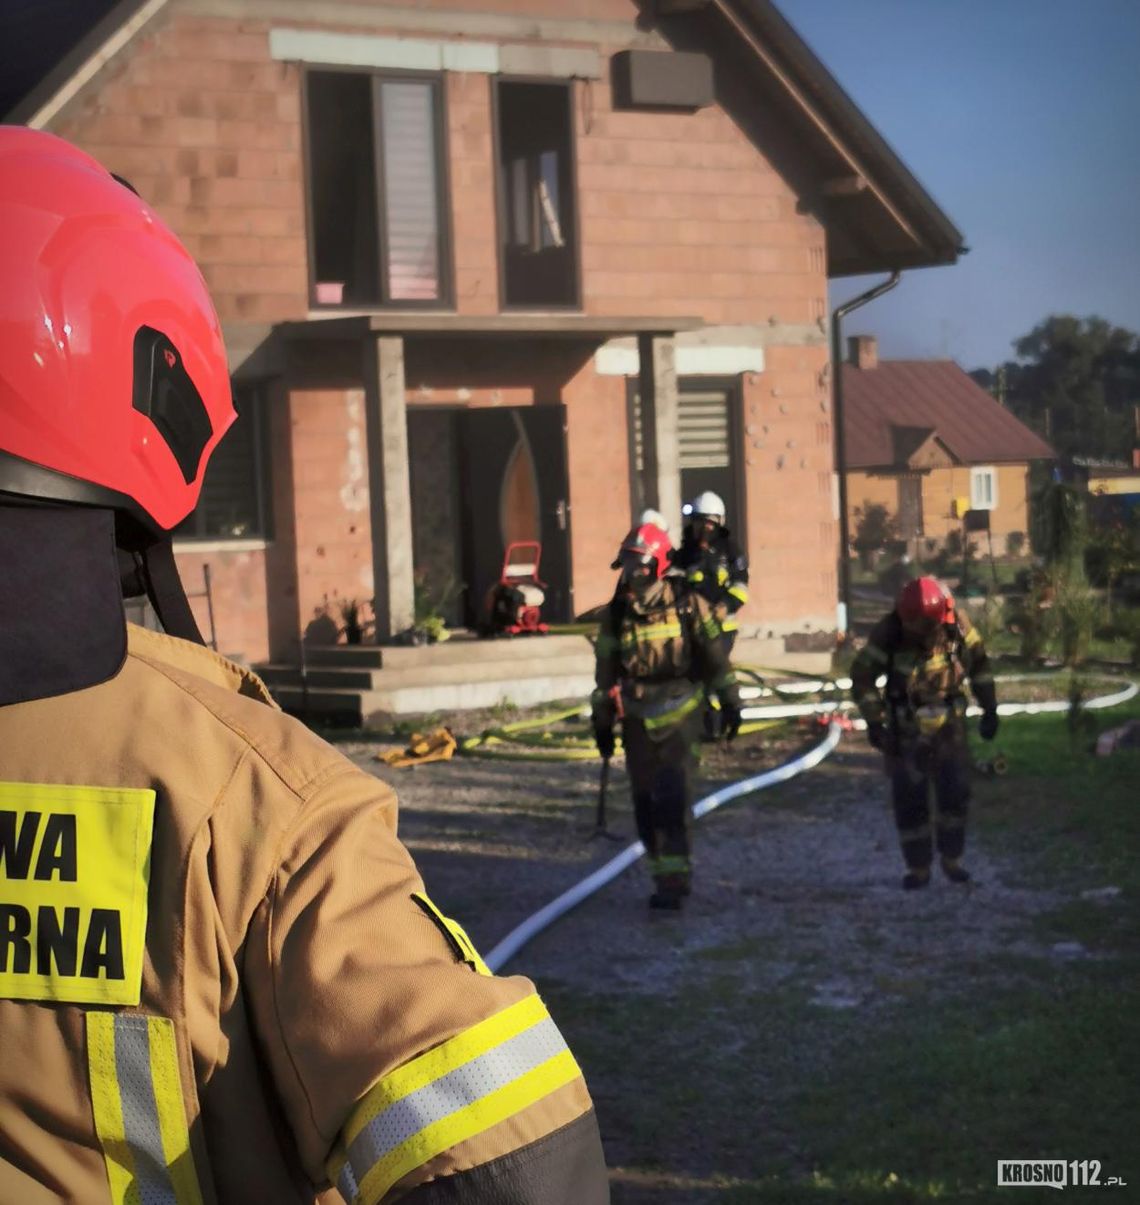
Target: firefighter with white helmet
712,562
928,651
221,978
659,654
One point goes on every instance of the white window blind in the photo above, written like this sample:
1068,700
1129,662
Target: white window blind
411,211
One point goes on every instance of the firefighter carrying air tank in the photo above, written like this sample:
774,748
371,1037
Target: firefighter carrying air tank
659,651
928,650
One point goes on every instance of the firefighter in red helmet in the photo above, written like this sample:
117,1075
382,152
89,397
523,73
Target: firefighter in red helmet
659,653
220,976
928,651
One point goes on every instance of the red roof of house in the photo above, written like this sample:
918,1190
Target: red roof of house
887,407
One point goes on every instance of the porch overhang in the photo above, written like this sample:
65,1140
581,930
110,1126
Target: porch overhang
587,327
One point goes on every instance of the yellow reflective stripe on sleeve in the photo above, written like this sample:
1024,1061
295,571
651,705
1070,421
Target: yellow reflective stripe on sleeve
139,1110
973,637
459,1089
455,933
739,592
462,1048
466,1123
696,575
729,625
721,575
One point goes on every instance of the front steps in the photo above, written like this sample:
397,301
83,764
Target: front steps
364,685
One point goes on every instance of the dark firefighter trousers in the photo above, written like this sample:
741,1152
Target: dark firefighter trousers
661,769
943,761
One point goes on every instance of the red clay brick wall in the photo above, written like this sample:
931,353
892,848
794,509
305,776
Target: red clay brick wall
596,448
208,128
792,532
237,586
333,528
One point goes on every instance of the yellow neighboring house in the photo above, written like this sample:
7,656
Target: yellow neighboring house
927,442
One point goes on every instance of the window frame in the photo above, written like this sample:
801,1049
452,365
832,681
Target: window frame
733,388
446,246
197,540
978,474
501,224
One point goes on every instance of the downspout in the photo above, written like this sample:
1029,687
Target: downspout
841,436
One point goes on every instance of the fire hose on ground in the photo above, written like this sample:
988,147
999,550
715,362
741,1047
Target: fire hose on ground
544,917
510,945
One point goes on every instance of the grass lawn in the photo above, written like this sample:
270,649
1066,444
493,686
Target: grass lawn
716,1094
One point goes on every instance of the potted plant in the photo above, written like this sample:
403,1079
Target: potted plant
353,628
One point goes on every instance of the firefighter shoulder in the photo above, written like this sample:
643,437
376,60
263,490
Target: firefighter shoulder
221,977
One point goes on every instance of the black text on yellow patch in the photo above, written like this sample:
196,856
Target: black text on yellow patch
74,866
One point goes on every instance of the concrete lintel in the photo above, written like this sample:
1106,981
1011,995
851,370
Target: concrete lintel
715,350
558,62
452,23
390,492
660,426
362,50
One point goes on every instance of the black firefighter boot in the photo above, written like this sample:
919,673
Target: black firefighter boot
670,891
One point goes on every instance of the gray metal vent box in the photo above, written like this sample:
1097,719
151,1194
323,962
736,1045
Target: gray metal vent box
661,79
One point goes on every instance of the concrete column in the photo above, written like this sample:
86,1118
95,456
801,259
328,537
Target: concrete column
660,425
389,479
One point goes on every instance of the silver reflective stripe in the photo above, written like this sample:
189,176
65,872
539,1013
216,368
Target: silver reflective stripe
476,1079
140,1112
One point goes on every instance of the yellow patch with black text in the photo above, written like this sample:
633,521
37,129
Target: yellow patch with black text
455,935
74,870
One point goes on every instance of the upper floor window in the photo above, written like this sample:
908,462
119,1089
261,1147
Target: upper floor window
983,489
538,243
376,189
234,503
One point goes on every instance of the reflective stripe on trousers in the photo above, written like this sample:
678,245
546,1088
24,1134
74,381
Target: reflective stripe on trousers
140,1113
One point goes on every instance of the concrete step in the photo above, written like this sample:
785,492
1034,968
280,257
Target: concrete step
370,678
462,649
374,707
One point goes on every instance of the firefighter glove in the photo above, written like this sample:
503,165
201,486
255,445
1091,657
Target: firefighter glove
732,719
604,739
988,725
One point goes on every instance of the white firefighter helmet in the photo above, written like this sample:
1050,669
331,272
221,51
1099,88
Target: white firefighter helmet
649,515
708,504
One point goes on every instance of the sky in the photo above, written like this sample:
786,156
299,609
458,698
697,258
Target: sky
1021,118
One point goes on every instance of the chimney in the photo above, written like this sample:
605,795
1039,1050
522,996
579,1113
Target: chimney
863,351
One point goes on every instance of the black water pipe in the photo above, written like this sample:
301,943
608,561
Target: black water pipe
841,436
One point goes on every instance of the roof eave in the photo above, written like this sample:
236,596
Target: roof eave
936,240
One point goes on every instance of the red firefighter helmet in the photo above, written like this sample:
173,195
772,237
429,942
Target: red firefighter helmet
114,389
650,545
925,601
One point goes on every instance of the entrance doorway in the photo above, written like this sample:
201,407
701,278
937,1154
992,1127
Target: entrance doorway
482,479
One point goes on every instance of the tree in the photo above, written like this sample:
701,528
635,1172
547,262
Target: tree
1075,382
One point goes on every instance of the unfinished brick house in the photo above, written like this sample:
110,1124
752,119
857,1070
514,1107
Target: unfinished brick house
499,269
